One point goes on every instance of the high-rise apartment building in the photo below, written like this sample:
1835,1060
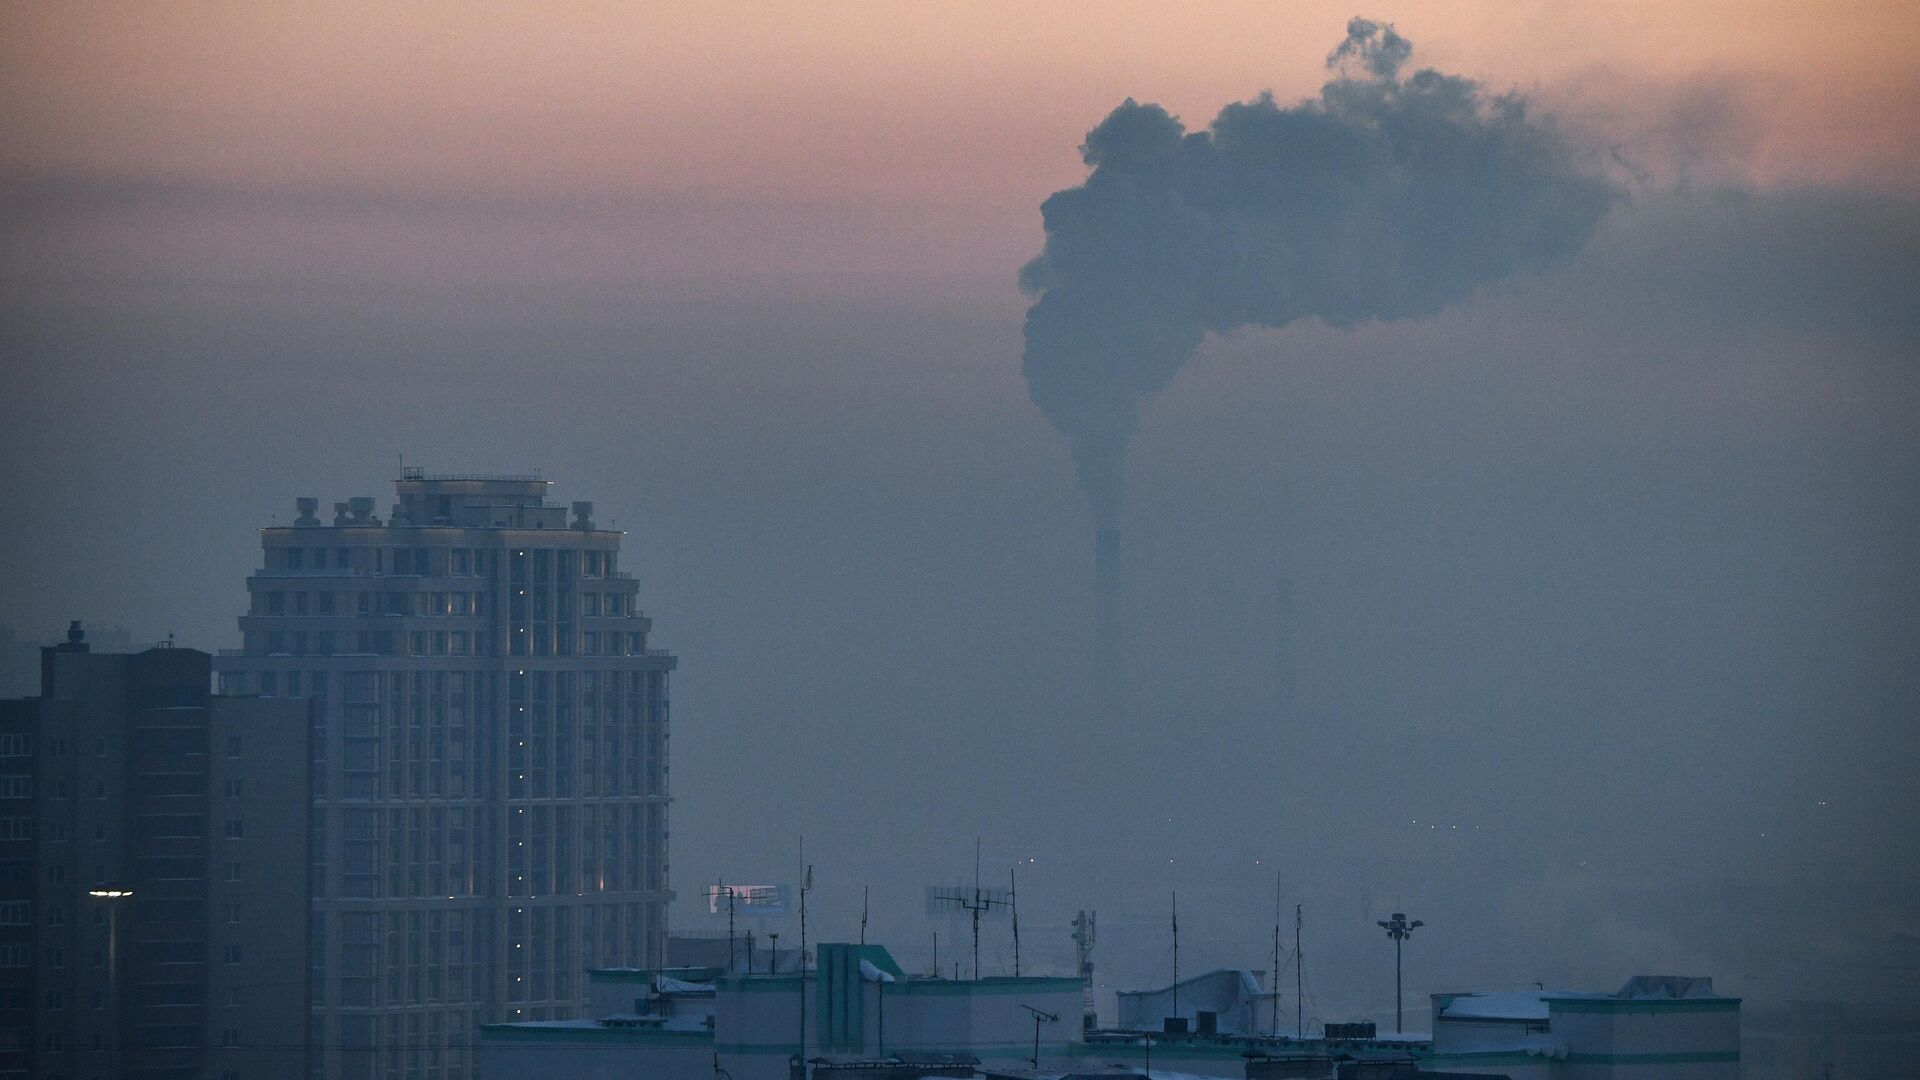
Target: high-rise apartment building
489,749
153,873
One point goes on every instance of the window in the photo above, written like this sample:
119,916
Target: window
229,1036
15,912
16,745
300,603
235,829
233,746
17,786
231,872
233,789
276,603
590,643
230,954
590,604
233,913
14,956
56,999
342,558
16,828
270,680
324,603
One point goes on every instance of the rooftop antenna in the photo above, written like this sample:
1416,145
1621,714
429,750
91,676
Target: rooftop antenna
1399,929
1299,981
1039,1018
806,884
1013,902
1176,954
729,888
981,900
1273,985
863,914
1083,937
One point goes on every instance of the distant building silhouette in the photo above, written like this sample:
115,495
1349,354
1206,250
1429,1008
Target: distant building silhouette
153,872
489,758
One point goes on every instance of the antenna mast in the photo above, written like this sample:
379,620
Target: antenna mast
729,888
1299,980
1013,901
1176,954
806,882
1273,986
979,901
1083,935
863,914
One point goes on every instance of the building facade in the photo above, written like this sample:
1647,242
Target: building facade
857,1004
489,742
163,893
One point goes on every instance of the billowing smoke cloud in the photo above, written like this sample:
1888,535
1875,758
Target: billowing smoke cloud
1386,197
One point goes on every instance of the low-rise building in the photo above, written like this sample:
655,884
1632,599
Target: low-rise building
853,1009
1676,1027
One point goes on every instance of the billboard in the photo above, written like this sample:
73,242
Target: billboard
747,899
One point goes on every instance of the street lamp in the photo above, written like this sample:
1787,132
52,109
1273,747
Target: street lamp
113,969
1399,929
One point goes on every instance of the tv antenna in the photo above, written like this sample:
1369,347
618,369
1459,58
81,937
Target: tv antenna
863,914
1083,938
1039,1017
1299,981
980,900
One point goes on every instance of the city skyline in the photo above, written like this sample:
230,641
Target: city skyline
1575,616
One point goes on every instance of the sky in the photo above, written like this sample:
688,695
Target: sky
1577,616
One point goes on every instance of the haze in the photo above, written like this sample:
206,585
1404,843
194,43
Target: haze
1579,618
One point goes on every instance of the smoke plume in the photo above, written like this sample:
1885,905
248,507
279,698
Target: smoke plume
1386,197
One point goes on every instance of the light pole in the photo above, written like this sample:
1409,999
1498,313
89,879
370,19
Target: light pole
1399,929
113,971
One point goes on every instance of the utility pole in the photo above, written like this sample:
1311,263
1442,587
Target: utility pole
1399,929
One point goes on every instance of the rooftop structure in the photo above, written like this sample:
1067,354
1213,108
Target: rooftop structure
865,1018
1676,1023
1224,1002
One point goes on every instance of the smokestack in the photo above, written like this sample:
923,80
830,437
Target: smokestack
1106,560
1385,197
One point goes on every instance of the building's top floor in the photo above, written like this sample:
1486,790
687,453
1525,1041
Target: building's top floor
458,501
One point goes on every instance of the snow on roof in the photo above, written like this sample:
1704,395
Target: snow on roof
1498,1005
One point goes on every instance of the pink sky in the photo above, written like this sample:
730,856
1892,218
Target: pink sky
920,104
